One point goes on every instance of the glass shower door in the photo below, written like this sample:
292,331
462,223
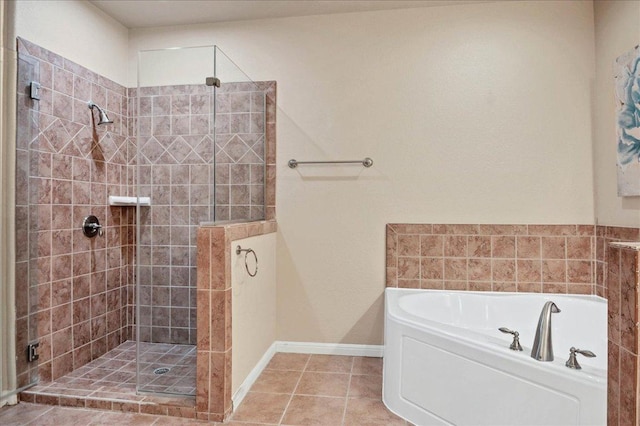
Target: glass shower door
201,130
32,236
175,168
240,132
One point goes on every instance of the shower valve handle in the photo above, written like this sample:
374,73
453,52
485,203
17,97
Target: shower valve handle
515,345
91,227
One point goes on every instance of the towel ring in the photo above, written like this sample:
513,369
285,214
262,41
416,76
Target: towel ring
246,265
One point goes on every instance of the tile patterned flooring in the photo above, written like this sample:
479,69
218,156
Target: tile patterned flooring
300,389
294,389
113,375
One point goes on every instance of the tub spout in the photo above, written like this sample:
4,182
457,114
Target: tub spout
542,346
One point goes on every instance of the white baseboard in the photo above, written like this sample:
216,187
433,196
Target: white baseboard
302,348
330,349
253,376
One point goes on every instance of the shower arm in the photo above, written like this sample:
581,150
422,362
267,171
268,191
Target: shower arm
91,105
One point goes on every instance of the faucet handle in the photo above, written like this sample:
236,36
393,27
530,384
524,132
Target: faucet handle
515,345
572,362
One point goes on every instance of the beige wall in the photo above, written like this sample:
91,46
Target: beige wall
617,30
184,66
474,113
77,30
253,305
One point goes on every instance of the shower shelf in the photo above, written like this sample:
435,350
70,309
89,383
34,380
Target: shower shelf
632,245
128,201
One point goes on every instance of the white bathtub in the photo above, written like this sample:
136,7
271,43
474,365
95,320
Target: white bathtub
446,363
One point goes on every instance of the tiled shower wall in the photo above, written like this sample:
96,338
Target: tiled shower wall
243,112
177,171
176,168
70,289
535,258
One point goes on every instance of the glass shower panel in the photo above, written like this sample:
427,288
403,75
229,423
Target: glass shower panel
175,168
32,234
240,143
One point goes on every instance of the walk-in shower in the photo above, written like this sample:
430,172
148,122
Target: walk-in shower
200,158
114,317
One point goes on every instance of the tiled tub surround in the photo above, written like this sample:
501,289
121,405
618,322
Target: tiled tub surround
622,285
213,385
535,258
177,171
72,288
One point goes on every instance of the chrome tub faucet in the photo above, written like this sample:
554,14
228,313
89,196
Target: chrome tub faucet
542,349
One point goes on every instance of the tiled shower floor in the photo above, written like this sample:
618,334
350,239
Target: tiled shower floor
113,375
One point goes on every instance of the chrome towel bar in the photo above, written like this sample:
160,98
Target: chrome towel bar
367,162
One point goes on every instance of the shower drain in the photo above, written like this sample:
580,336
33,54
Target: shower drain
161,370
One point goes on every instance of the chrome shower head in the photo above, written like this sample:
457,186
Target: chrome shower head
104,119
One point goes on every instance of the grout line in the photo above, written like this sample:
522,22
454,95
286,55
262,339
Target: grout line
346,398
294,390
40,416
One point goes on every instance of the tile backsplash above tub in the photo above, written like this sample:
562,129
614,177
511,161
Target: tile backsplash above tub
531,258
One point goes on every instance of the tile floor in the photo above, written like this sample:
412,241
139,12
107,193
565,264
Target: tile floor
294,389
115,371
300,389
109,382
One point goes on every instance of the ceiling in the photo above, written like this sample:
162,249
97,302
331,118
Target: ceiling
145,13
